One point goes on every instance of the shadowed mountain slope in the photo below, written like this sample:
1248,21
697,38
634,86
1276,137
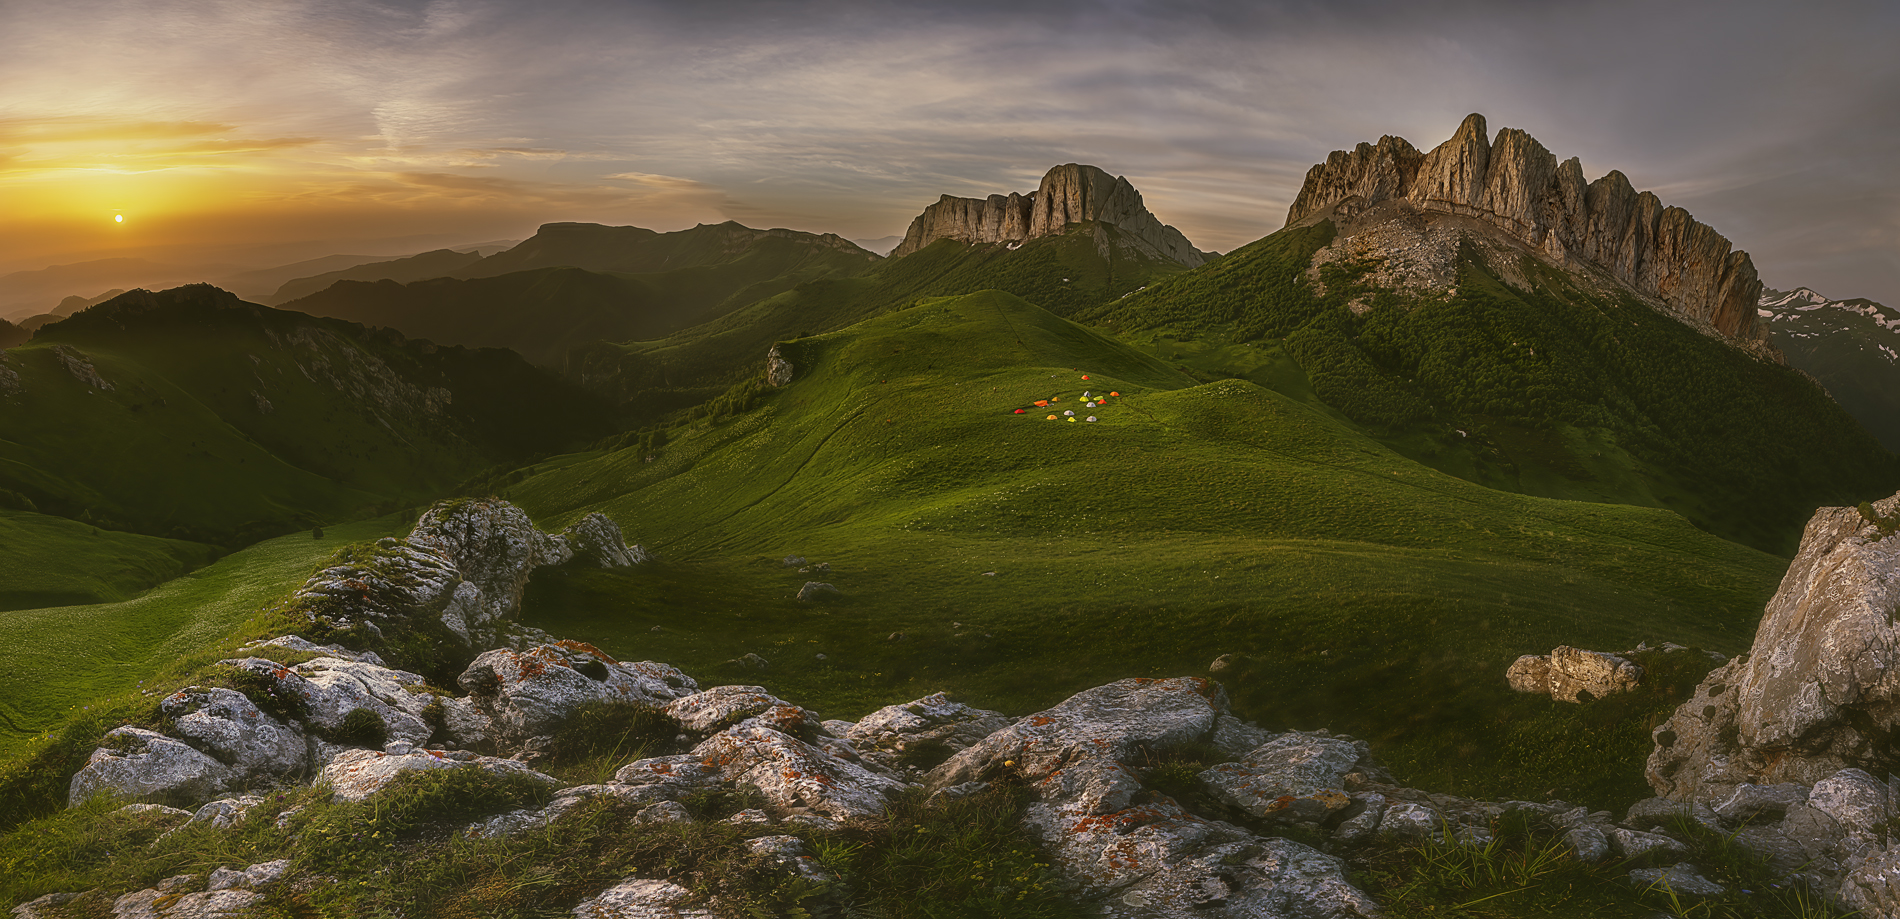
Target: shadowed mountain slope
576,284
1851,346
193,414
437,264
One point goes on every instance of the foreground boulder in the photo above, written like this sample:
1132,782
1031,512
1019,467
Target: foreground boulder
358,774
142,765
1818,692
1109,834
526,694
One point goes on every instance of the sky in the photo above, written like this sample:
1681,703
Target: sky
252,132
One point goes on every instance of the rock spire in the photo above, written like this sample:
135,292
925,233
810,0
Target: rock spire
1512,183
1069,194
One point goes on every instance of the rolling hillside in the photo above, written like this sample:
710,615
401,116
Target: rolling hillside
192,415
1011,559
1064,274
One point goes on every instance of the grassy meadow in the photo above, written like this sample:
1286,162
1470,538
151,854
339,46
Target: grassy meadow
1023,559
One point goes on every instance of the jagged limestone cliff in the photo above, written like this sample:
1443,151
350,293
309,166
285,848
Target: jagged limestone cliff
1516,186
1069,194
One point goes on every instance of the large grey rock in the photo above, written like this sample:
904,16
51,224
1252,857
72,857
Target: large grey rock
1650,813
1154,859
1633,843
1817,692
357,774
1567,674
597,538
230,727
300,643
532,692
1298,777
1750,803
1069,194
1516,187
637,898
153,903
1857,801
1873,887
1682,879
933,722
493,547
145,765
792,773
721,707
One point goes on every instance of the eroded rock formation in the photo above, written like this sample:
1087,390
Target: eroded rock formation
1519,188
1818,692
1069,194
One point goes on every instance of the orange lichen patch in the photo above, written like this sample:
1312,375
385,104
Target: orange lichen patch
1040,720
584,648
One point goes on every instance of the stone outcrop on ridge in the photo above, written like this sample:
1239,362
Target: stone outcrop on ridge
1516,187
1069,194
1789,744
1818,691
466,563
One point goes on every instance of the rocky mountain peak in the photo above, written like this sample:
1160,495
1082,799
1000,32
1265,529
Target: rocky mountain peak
1069,194
1510,182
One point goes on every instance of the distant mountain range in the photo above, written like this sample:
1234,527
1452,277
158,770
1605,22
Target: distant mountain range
1851,346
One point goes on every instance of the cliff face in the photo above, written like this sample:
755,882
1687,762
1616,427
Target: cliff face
1070,193
1517,186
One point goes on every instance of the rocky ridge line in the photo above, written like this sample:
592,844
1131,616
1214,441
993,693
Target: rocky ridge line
1513,185
1070,193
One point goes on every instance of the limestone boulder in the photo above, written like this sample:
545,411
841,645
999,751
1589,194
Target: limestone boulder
493,547
791,773
153,903
144,765
531,692
1817,693
1296,777
922,730
717,708
638,898
1572,675
230,727
597,539
355,775
299,643
1147,857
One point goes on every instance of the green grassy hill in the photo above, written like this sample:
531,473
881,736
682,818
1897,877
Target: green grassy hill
1013,560
576,284
66,661
192,415
1064,274
1551,390
52,561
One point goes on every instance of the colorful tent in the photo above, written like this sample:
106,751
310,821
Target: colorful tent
1021,410
1052,418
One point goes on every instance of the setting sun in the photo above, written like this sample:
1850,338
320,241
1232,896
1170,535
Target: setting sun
118,218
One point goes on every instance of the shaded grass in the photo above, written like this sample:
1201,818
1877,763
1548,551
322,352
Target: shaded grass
52,561
76,672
